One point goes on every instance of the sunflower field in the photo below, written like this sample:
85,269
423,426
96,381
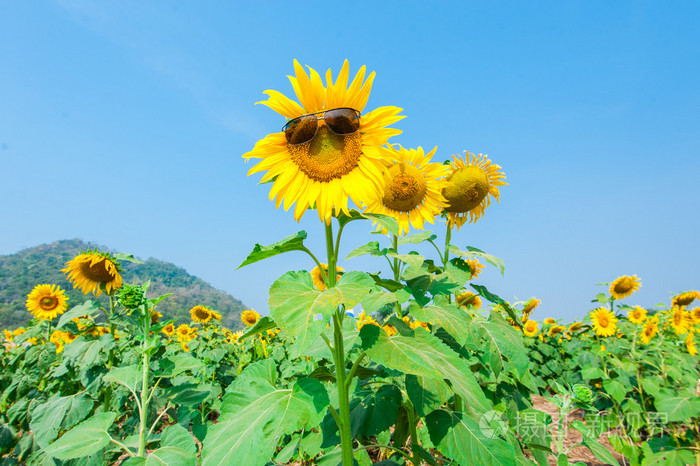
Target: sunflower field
418,365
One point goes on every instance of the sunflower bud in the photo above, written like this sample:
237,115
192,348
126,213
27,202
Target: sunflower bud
132,296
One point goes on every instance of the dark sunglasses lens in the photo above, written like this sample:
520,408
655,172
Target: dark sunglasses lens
342,120
301,130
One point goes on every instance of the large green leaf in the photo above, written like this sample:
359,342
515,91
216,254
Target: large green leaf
88,308
251,428
600,452
303,312
413,260
475,253
290,243
171,456
86,438
58,413
461,438
426,355
128,376
448,316
84,353
426,394
179,363
500,343
678,409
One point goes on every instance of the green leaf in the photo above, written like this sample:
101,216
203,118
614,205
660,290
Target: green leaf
461,438
179,363
533,428
177,436
265,323
426,355
677,409
296,305
88,308
418,238
129,376
388,223
253,424
600,452
448,316
47,419
588,373
472,252
378,299
83,353
122,257
370,248
413,260
171,456
669,457
497,300
290,243
499,339
86,438
426,394
615,389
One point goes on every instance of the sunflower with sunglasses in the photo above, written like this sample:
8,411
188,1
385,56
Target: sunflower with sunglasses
329,151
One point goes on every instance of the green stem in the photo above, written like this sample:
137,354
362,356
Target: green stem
412,428
48,330
448,237
332,258
343,396
397,272
353,369
145,398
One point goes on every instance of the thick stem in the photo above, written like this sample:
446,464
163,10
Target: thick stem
343,396
397,272
332,257
144,406
412,429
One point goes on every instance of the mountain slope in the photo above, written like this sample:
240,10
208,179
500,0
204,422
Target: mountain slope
20,272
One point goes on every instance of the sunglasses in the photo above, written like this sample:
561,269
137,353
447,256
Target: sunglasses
339,120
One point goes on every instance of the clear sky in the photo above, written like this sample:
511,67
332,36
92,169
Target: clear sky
123,123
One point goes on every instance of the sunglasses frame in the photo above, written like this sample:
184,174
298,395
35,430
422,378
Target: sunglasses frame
284,128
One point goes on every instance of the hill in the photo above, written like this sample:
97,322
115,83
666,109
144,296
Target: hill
20,272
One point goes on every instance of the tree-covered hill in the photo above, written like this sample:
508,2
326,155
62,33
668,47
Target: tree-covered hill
20,272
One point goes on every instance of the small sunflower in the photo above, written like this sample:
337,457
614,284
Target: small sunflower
364,319
389,329
317,278
467,299
94,271
475,267
530,328
651,328
412,187
680,320
686,298
556,329
637,315
695,313
604,322
185,333
330,168
45,302
529,307
690,344
575,327
155,315
169,330
250,317
624,286
201,314
549,321
472,183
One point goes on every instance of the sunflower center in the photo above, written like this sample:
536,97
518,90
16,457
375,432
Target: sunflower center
406,188
48,303
96,272
603,321
468,187
624,285
328,155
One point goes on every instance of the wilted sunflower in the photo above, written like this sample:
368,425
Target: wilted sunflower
529,307
155,315
530,328
680,320
471,184
604,322
637,315
686,298
690,344
201,314
466,299
651,328
624,286
317,278
329,151
93,271
250,317
45,302
412,188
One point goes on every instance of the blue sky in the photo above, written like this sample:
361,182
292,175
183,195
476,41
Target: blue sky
123,123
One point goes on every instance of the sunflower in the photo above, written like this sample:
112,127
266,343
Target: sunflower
93,272
686,298
412,187
417,323
201,314
680,320
556,329
637,315
330,168
695,313
475,267
575,327
530,328
624,286
467,299
604,322
529,307
472,183
215,315
549,321
651,328
364,319
690,344
155,315
45,302
317,278
250,317
185,333
169,330
389,329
